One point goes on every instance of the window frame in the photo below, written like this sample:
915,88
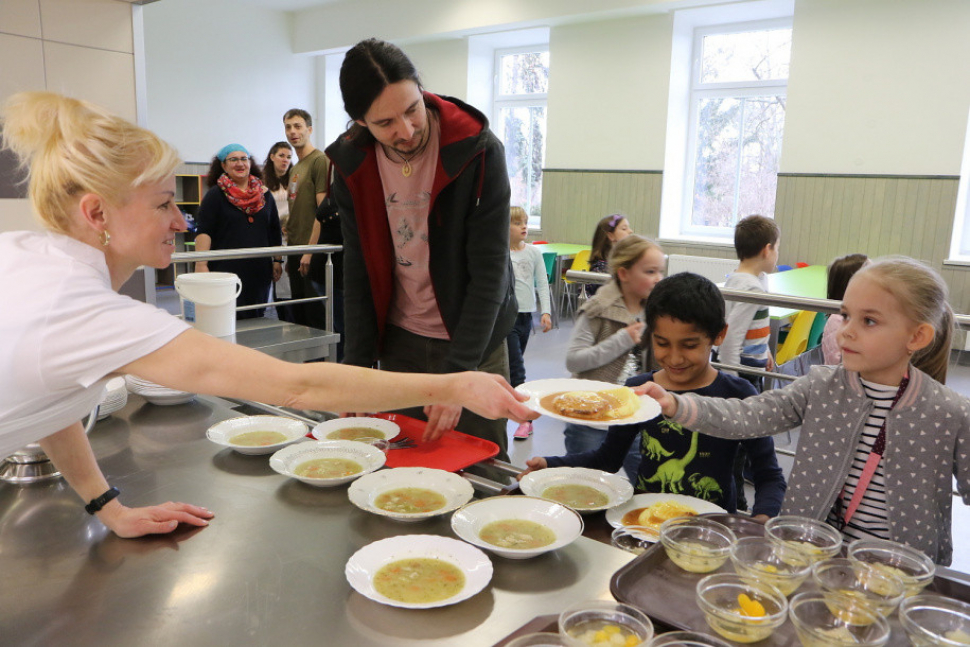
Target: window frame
697,92
524,100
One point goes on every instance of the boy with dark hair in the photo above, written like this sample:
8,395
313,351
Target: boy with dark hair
685,319
756,241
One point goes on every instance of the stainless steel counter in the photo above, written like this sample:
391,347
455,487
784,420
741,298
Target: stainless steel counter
269,570
287,341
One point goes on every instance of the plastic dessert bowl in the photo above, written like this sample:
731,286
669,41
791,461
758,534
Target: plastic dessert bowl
915,569
764,560
687,639
816,539
606,624
696,544
880,589
824,619
935,620
740,609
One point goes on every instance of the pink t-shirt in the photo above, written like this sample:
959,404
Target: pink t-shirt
408,202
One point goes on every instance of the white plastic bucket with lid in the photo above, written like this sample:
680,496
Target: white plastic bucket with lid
209,301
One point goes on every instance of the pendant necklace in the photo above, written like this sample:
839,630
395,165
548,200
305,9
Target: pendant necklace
407,169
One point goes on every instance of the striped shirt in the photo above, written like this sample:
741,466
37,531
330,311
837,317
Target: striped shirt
870,518
749,328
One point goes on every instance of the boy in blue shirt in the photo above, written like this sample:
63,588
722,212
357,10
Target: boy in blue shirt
685,319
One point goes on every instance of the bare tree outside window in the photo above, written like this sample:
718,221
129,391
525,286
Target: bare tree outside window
738,111
520,122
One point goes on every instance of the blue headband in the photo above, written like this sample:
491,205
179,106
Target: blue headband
231,148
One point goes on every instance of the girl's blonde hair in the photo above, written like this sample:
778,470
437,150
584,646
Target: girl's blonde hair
518,214
628,251
72,147
923,295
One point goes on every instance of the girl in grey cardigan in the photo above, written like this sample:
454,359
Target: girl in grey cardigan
891,463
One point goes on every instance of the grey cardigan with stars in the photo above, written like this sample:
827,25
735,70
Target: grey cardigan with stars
927,441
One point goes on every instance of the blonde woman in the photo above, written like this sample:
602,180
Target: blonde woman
105,190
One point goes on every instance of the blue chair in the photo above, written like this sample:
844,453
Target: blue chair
783,268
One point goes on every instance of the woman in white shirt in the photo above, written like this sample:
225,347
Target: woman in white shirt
105,190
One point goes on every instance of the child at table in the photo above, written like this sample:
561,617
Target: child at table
839,272
530,276
685,317
881,437
609,231
605,344
756,240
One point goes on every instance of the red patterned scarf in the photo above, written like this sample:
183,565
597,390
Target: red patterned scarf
250,200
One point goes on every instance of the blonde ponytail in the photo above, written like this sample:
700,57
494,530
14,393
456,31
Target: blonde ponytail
71,147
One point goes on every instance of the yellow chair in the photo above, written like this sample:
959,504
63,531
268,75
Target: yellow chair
797,340
572,290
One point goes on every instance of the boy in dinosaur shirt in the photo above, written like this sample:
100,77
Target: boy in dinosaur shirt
685,319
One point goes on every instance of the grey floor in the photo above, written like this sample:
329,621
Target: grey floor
545,358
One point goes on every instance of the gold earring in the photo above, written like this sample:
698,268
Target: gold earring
105,238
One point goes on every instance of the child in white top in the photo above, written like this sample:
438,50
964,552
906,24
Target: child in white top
530,276
880,440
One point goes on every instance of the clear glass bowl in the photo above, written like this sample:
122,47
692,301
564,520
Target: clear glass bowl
696,544
770,562
816,539
537,640
935,620
687,639
719,597
579,624
915,569
879,588
824,619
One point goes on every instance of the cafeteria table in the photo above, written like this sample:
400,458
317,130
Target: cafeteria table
268,570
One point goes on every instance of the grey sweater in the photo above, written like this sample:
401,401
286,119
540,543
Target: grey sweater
927,443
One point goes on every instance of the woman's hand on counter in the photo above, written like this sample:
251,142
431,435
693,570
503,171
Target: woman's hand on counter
152,520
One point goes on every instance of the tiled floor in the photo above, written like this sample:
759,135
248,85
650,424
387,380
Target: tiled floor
545,358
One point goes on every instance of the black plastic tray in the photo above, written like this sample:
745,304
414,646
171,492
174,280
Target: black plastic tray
666,593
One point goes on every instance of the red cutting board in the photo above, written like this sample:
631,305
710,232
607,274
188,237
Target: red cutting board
452,452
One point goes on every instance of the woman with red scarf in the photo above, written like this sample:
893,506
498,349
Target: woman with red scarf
238,211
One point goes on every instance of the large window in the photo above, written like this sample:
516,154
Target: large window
521,83
738,85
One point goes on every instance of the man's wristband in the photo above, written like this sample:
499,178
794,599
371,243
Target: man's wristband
96,504
277,261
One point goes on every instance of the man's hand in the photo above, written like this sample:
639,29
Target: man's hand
441,418
151,520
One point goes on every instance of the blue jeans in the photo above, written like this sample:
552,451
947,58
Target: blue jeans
517,340
581,439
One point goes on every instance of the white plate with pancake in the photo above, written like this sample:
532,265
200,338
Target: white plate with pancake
538,389
614,516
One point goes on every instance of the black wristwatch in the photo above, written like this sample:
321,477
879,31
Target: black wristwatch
96,504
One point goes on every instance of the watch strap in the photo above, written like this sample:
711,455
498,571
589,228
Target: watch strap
96,504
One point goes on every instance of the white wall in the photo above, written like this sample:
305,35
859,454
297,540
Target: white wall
608,94
80,48
878,87
442,65
218,73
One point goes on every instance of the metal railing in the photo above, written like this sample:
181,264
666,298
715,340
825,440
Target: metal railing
261,252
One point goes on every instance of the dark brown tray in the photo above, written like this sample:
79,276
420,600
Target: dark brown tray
666,593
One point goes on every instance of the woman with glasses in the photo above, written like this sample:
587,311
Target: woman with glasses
239,211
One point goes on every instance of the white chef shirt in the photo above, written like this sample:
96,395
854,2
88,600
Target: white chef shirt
63,332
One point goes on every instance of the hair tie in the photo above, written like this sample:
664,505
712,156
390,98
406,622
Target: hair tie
231,148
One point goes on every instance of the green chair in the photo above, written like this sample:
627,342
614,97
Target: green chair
815,334
549,258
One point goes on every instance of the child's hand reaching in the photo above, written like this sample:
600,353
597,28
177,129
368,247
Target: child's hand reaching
668,405
535,463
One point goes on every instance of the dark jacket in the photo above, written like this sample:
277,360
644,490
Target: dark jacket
468,233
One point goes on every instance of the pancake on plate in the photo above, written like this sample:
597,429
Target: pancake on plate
608,404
